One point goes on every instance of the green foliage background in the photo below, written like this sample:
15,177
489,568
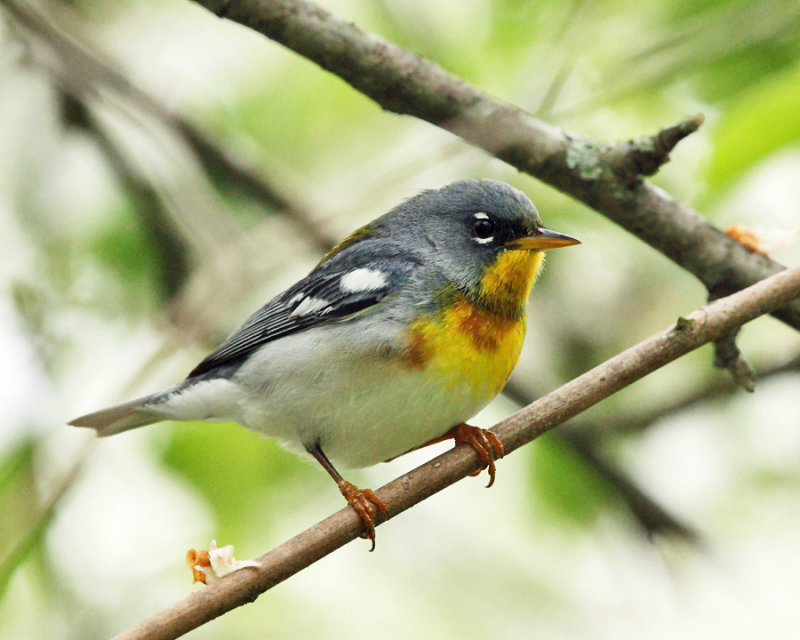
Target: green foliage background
125,255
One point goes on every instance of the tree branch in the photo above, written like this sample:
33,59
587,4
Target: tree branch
587,170
702,326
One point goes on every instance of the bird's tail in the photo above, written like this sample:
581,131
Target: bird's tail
122,417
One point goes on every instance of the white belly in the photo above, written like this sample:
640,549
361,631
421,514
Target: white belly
361,408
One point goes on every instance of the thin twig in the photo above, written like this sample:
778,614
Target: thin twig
727,356
690,332
645,156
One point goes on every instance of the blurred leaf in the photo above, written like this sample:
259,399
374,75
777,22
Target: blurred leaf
566,486
762,121
232,468
736,44
123,249
300,99
722,49
19,504
18,496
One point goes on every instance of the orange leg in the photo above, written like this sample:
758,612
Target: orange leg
485,443
363,501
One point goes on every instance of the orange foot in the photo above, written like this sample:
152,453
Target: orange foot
363,501
485,443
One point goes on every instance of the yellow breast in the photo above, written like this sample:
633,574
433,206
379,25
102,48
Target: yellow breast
476,339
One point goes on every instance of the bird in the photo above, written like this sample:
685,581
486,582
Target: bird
402,332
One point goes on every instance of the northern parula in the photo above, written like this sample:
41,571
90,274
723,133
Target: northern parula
403,331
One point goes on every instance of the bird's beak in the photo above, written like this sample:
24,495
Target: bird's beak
542,239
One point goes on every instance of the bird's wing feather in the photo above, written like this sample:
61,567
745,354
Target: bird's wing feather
346,283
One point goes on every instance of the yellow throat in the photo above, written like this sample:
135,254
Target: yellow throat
477,339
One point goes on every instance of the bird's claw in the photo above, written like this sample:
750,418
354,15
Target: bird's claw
484,442
365,503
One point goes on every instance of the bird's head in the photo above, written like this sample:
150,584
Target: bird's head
486,238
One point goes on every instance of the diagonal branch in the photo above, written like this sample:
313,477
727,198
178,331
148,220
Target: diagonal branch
585,169
700,327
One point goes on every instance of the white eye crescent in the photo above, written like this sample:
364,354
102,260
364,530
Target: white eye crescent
482,228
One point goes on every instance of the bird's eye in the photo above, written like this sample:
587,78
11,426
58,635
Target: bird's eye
483,228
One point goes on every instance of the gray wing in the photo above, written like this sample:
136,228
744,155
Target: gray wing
346,283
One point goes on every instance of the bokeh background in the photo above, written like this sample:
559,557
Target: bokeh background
164,172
